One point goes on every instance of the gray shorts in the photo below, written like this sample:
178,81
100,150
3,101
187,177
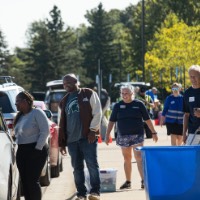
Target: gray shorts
129,140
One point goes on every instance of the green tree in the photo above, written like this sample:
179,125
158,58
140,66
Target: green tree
4,53
98,48
175,46
52,51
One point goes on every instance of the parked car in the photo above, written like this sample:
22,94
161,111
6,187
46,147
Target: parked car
54,164
53,96
38,95
8,93
9,175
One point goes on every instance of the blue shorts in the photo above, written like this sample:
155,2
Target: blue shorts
129,140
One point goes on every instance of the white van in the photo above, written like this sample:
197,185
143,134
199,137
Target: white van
8,93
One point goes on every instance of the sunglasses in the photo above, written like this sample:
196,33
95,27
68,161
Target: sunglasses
175,89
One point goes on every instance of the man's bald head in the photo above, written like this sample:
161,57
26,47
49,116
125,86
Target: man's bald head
71,76
70,83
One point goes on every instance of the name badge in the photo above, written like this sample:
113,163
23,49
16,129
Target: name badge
122,106
191,99
172,102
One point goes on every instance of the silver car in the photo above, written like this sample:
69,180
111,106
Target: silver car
9,175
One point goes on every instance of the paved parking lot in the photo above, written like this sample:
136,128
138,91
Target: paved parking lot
63,188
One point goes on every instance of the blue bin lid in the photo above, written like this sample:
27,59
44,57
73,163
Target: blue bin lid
168,148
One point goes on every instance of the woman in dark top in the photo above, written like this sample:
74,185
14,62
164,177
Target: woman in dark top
129,115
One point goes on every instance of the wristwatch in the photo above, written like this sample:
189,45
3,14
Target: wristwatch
154,133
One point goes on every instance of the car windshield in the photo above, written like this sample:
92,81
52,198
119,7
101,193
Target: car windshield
57,96
5,106
54,99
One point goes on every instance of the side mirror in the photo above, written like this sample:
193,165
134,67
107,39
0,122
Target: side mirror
48,114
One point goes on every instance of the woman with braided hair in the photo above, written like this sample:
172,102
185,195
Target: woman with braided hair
31,131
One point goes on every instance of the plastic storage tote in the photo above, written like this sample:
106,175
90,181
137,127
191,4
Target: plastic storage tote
171,173
108,178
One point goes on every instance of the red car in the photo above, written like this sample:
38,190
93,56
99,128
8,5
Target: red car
54,165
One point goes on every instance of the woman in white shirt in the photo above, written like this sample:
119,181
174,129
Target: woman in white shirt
31,131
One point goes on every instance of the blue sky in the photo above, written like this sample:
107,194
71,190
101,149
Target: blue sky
17,15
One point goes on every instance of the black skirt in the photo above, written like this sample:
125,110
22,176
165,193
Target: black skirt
174,128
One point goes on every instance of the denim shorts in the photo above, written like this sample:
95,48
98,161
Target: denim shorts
129,140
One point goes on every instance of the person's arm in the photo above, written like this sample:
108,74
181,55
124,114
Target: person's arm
162,120
43,125
109,129
197,112
165,109
96,120
185,126
96,112
151,127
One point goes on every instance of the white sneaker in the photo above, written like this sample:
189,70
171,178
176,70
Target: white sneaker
94,196
81,198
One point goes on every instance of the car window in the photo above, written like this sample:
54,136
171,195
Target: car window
56,96
12,94
2,125
5,105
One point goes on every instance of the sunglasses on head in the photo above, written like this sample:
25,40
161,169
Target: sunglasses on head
175,89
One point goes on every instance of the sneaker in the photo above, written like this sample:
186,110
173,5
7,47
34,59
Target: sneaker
81,198
126,185
142,184
94,196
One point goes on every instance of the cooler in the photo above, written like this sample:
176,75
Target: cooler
171,173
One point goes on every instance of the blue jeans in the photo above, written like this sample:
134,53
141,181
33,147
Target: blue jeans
80,151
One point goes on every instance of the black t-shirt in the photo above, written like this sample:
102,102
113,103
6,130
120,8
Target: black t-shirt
129,117
191,101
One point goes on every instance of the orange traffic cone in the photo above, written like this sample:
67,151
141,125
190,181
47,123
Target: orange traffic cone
99,139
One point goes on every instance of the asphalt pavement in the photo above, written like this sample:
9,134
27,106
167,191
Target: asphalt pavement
63,188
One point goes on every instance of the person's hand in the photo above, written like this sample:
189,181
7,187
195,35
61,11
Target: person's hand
92,136
162,119
197,112
154,136
184,138
107,138
63,151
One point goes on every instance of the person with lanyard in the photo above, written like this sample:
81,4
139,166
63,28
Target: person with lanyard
149,104
172,115
129,114
152,93
31,131
191,103
79,130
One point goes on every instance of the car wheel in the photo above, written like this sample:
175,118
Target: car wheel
55,170
9,187
46,179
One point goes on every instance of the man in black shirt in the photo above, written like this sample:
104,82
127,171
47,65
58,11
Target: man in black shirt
191,105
